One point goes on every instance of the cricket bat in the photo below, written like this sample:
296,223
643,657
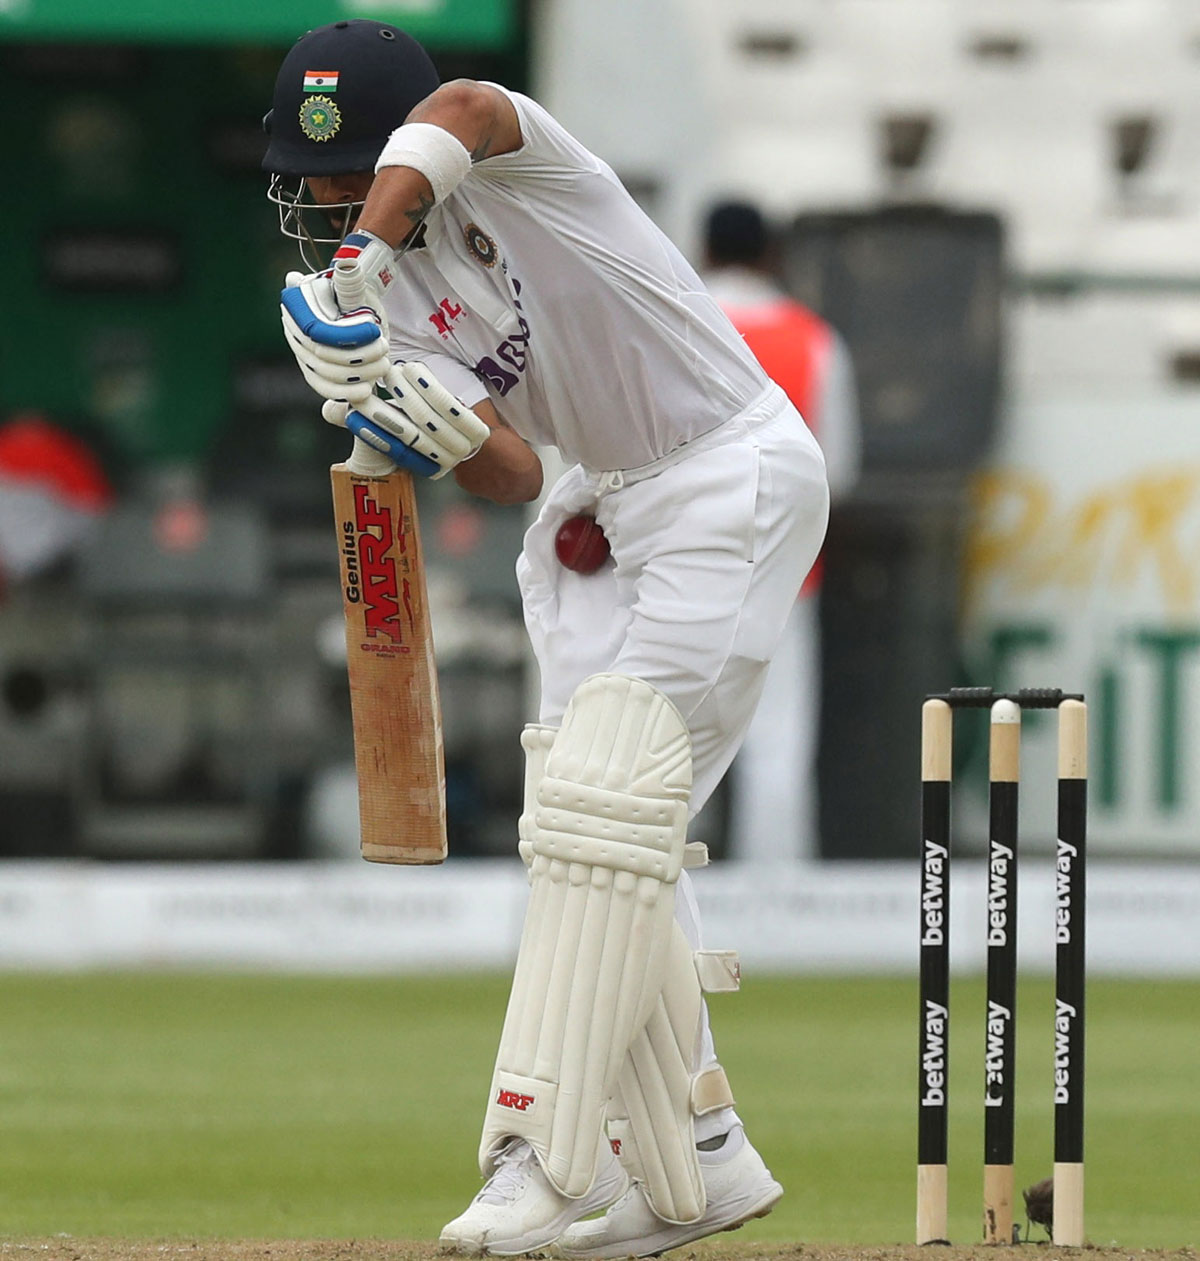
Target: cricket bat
393,677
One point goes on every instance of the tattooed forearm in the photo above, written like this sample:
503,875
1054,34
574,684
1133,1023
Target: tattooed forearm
418,212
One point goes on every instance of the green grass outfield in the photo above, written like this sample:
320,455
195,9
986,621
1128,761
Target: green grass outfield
191,1105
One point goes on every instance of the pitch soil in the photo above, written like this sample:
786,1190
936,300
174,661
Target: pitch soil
69,1249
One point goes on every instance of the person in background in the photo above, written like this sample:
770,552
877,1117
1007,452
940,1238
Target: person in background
53,491
774,808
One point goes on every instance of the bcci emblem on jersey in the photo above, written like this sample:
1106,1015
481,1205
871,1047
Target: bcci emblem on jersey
320,118
481,246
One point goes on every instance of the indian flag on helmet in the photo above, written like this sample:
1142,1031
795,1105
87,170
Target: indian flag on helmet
321,80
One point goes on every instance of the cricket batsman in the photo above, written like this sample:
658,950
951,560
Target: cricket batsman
527,300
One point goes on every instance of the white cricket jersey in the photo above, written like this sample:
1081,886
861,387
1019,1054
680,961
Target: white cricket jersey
544,287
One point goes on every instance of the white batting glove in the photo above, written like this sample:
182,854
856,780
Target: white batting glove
341,356
363,268
422,428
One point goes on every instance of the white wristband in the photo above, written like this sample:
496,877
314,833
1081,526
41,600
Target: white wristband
432,150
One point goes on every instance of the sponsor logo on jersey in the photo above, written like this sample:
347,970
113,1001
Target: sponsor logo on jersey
320,118
321,80
504,370
481,246
443,318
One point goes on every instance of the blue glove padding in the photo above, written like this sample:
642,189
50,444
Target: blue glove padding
402,456
340,356
342,336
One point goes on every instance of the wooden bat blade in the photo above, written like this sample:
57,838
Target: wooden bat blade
393,677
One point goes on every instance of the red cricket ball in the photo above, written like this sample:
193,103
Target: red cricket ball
580,545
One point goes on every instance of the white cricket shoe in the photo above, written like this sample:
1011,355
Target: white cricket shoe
518,1210
737,1187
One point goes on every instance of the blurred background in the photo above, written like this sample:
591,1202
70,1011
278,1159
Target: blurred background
996,204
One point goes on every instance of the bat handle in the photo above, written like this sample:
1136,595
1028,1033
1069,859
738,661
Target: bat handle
365,461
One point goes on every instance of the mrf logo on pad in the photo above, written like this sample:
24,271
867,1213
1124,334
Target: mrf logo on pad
373,553
512,1099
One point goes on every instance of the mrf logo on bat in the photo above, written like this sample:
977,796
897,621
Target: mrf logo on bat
374,555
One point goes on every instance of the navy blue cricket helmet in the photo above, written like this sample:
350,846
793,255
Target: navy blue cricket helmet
341,91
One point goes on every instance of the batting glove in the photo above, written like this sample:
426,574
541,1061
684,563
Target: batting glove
421,428
341,356
363,268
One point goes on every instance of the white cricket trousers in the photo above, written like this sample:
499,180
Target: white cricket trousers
774,815
709,546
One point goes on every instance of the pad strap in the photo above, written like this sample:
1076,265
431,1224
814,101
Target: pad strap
695,854
719,971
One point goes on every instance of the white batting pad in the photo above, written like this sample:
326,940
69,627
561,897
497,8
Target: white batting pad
608,844
537,740
659,1096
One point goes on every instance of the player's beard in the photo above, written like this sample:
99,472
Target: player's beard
341,220
318,229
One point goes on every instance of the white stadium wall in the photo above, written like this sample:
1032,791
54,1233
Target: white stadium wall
347,917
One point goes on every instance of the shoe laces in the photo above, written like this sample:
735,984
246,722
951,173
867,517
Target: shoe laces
511,1176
